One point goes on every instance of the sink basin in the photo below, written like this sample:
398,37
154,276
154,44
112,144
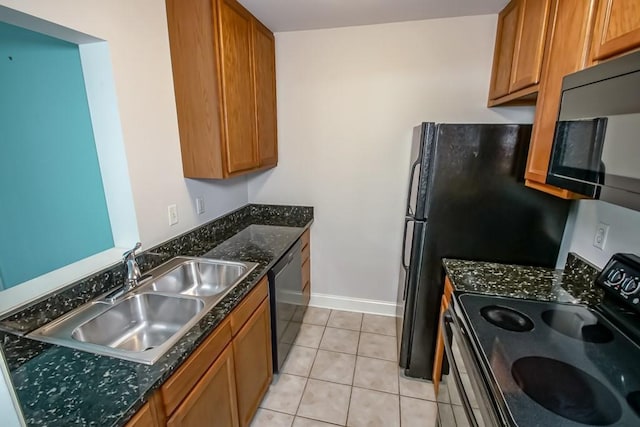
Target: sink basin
200,278
149,320
139,323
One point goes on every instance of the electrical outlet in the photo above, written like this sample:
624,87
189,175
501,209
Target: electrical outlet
600,237
173,214
199,205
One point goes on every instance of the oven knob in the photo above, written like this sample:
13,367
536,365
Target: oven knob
630,286
615,277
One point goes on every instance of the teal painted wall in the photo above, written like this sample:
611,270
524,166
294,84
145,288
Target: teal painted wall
52,205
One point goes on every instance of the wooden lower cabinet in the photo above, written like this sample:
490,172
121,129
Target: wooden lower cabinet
213,400
253,365
223,381
150,415
439,356
305,239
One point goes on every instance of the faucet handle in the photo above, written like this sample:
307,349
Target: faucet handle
131,254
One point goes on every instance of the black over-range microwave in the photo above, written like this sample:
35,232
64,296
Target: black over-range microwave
596,148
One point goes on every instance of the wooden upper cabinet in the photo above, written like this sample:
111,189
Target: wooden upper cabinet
213,398
265,83
236,65
617,28
567,52
224,84
503,54
529,47
519,51
192,39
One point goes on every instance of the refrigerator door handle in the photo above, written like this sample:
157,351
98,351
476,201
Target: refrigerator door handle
407,220
411,175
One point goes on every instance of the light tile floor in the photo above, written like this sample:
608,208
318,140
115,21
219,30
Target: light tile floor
343,371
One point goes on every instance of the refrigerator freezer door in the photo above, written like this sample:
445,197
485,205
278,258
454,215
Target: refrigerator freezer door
414,174
417,199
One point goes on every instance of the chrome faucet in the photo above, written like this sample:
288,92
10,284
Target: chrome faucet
132,279
133,270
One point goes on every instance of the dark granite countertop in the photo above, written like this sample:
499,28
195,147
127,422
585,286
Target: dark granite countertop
574,284
59,386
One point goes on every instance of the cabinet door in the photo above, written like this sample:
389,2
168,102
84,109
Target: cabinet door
439,354
143,418
195,81
264,55
503,53
529,47
617,28
254,369
213,400
567,52
150,415
238,97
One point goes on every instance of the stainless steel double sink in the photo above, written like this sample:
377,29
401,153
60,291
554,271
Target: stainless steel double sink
145,323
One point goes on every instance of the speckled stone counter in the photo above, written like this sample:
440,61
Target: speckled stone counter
59,386
573,284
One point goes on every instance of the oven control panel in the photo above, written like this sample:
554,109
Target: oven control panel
621,277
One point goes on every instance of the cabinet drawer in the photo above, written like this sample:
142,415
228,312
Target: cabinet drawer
251,302
180,384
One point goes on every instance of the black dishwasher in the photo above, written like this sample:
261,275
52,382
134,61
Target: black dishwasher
287,303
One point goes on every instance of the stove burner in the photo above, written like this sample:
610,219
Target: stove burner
566,390
582,326
506,318
633,399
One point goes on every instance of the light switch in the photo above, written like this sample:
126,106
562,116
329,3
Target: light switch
173,214
199,205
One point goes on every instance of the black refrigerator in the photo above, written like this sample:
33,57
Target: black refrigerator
466,200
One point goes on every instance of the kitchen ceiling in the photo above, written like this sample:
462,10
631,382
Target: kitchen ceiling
294,15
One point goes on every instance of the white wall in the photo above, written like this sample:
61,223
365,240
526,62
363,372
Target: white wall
348,100
624,231
139,46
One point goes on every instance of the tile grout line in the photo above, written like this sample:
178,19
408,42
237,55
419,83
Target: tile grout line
353,377
352,354
357,357
399,404
309,376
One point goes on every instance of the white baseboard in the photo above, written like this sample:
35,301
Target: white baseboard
360,305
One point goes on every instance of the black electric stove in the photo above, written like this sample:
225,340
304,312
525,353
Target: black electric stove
554,364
